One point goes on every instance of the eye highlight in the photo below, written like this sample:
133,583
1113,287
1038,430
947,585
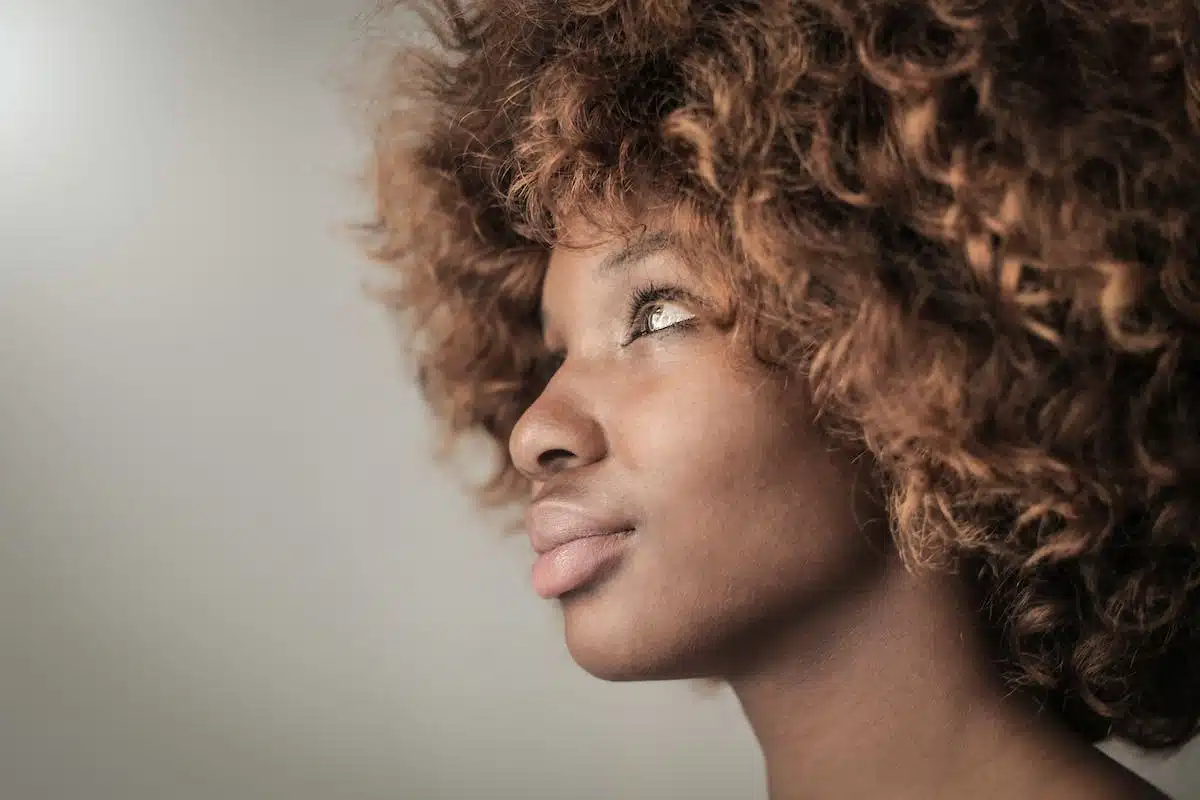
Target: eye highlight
650,304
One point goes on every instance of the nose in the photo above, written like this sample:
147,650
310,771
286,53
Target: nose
557,432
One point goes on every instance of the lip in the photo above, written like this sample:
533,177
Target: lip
575,546
552,524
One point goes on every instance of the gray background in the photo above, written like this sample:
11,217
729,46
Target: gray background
227,568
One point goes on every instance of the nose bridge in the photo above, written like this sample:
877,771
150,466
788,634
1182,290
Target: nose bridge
561,428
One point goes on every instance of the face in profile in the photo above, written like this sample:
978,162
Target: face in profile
685,506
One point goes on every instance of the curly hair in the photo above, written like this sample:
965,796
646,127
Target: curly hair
973,226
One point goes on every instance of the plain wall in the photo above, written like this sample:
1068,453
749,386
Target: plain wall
228,569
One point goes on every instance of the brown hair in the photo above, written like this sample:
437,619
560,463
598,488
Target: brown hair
972,225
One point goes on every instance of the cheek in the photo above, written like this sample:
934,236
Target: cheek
687,422
712,443
725,482
747,518
747,506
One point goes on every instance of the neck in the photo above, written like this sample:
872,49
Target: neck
891,695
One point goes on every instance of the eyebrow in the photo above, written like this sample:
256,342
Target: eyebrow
640,249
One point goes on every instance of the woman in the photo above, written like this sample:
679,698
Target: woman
845,351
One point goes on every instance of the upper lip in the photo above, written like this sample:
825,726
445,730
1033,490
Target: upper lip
553,523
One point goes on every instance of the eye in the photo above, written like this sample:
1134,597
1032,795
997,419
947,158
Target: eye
661,315
654,309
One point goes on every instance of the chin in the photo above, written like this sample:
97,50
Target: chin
620,642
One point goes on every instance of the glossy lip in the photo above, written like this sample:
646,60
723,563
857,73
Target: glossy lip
554,523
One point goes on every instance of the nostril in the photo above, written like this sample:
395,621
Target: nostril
554,458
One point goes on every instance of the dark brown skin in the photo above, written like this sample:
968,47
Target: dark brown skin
970,230
760,557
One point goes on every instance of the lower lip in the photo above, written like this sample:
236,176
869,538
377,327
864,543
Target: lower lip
573,564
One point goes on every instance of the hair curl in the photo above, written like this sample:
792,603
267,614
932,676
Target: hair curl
973,225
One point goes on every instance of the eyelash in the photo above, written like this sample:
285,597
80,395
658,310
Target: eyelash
643,298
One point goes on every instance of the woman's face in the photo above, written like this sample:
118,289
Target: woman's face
743,519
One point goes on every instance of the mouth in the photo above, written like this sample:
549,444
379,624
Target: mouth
577,563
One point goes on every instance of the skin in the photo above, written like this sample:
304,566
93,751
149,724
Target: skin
760,558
